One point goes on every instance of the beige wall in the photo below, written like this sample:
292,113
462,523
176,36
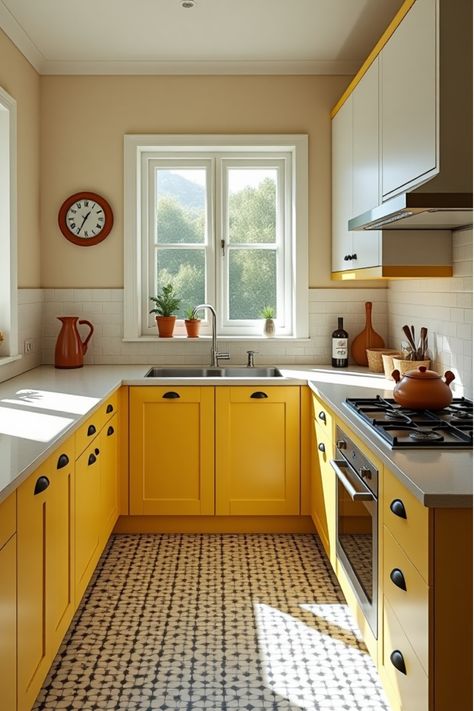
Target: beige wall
84,119
22,82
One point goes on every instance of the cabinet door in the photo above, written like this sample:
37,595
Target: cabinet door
86,520
409,107
8,624
172,450
109,477
342,187
257,451
323,493
365,164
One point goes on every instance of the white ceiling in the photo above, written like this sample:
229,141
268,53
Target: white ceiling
214,37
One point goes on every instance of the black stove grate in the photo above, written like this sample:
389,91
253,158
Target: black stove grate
400,427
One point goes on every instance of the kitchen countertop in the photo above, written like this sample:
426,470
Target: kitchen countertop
41,408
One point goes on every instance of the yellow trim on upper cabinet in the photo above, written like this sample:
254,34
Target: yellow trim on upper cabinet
374,53
395,272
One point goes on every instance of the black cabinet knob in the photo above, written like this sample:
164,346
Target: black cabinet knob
171,395
97,451
258,395
398,579
110,408
353,256
63,461
322,416
41,484
397,507
347,257
321,447
92,459
398,662
91,430
110,431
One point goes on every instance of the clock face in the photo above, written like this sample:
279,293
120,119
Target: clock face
85,219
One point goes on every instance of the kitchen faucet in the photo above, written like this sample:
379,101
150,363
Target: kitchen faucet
215,355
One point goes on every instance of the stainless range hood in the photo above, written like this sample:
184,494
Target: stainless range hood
418,211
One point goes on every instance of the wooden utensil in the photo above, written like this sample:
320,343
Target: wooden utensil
411,341
368,338
423,347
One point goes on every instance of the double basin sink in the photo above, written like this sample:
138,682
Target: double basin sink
213,373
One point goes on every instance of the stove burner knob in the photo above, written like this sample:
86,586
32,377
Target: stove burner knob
341,444
365,473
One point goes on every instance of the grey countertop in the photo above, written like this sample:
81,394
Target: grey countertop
41,408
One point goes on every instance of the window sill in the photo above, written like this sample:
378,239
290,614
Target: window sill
237,339
4,360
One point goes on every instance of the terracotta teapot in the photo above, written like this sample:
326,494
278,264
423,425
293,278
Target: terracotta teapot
70,349
422,389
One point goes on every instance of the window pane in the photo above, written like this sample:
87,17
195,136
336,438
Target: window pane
185,269
252,282
181,206
252,205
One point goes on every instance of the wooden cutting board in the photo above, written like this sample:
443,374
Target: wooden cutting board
368,338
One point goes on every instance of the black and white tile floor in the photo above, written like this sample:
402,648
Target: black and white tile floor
217,622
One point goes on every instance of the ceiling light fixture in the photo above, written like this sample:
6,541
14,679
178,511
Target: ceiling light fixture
188,3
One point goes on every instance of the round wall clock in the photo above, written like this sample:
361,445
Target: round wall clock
85,219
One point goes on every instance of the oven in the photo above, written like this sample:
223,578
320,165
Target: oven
357,523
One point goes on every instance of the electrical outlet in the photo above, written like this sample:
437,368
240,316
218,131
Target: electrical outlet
28,345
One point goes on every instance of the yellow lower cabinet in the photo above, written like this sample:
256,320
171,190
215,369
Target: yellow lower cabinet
172,450
108,446
8,612
323,492
87,524
257,451
45,600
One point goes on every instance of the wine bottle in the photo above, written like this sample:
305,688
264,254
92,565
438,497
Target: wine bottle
340,347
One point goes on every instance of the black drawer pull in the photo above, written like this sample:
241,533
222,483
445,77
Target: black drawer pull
41,484
398,579
258,395
397,507
321,447
91,430
63,461
92,459
398,662
110,408
110,431
322,416
171,395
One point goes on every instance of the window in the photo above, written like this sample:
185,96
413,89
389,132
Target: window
224,220
8,265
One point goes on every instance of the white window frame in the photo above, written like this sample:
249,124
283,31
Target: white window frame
139,150
8,228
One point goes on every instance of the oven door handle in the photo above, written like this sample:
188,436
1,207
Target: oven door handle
354,486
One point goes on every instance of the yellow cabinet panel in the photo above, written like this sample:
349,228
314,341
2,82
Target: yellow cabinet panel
86,520
172,450
108,445
7,519
257,451
8,624
323,492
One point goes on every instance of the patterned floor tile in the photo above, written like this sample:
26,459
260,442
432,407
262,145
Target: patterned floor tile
216,622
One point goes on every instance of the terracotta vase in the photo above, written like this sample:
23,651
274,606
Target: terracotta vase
368,338
165,326
192,327
70,349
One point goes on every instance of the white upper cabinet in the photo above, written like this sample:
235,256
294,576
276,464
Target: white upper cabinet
408,66
342,187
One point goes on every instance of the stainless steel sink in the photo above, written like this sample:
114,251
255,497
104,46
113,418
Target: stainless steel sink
164,372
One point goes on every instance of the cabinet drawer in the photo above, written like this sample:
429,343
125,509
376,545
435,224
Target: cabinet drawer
7,519
408,521
323,416
323,493
407,593
110,406
409,690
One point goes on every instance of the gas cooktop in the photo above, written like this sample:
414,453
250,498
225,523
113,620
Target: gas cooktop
450,428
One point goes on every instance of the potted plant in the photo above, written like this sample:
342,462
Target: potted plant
192,323
268,313
166,304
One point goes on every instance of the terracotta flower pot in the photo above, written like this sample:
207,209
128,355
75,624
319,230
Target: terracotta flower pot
192,327
165,326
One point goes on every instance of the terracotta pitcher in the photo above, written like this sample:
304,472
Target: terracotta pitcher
70,348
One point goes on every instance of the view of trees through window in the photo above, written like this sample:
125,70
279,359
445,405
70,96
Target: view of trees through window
181,228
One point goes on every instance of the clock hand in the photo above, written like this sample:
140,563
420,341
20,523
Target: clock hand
83,221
